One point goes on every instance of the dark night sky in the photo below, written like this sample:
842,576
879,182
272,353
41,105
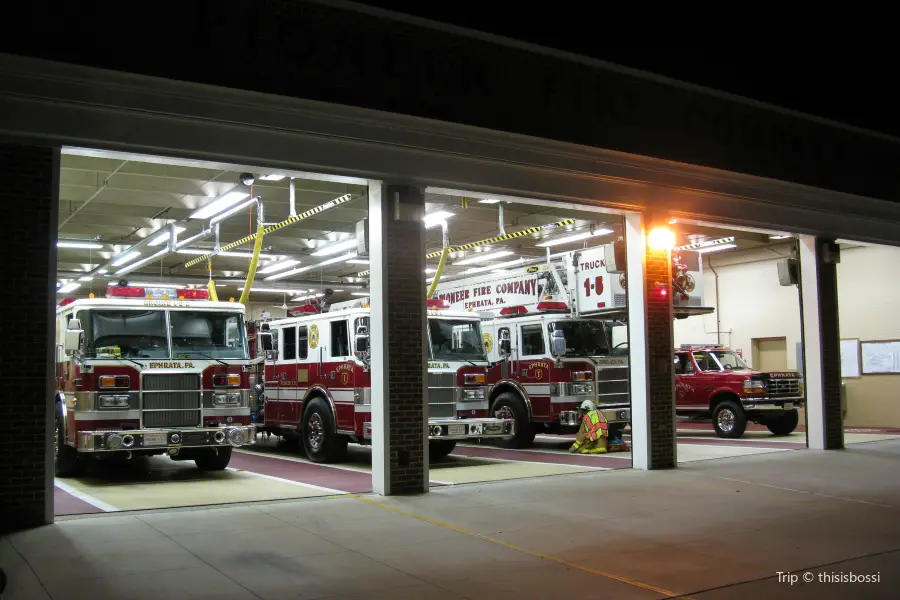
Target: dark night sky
829,81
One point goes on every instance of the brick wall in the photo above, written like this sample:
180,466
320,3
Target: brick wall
830,339
405,329
30,195
661,417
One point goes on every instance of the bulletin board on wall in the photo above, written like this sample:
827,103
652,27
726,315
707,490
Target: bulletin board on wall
880,357
850,363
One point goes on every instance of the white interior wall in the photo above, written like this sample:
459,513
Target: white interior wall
751,304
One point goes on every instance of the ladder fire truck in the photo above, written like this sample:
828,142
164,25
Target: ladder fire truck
318,382
151,371
548,331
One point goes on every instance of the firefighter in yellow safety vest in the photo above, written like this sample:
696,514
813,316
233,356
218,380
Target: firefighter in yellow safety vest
593,431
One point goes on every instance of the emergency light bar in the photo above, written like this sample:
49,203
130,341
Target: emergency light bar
155,293
306,309
436,303
511,311
548,306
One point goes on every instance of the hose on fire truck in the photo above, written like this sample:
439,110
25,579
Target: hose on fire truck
211,286
251,273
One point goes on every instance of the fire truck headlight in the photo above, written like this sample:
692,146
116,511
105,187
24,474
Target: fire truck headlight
114,401
582,389
473,394
236,437
226,399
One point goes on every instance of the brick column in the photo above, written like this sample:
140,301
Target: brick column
397,282
821,344
651,340
31,194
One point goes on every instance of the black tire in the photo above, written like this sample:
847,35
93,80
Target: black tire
729,419
783,424
438,450
68,463
525,430
213,459
321,443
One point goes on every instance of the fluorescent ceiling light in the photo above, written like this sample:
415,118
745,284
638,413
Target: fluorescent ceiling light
141,262
85,278
273,290
500,266
69,287
436,218
272,177
124,258
302,298
430,270
201,252
102,272
482,257
281,265
779,237
715,248
74,244
358,261
335,248
359,293
489,201
236,209
163,236
696,246
324,263
573,238
218,205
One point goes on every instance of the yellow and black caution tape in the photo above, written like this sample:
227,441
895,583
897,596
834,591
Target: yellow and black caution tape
495,240
289,221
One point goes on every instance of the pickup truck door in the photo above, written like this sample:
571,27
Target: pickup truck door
688,390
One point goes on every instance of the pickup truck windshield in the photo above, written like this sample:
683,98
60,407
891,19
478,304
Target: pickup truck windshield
141,333
455,340
583,338
719,360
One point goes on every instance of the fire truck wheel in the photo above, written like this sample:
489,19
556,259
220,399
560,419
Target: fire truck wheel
214,459
783,424
438,450
321,443
729,419
508,403
68,463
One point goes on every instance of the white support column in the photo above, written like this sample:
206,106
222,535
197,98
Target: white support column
812,343
637,341
381,443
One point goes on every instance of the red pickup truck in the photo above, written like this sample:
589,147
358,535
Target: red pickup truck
714,382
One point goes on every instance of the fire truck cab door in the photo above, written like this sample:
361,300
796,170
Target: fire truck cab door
686,392
339,370
286,376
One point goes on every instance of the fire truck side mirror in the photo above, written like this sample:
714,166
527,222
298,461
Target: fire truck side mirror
505,343
265,338
74,334
361,342
558,343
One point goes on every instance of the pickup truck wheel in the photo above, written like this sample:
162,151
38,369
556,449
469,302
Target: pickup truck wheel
783,424
511,406
213,459
729,419
321,443
67,463
438,450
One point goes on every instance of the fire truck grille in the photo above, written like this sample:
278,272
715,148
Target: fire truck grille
619,300
441,395
612,385
171,400
784,387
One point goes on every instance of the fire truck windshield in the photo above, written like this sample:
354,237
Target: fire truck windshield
141,333
455,340
583,338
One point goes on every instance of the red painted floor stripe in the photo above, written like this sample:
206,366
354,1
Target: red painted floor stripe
351,482
574,460
65,503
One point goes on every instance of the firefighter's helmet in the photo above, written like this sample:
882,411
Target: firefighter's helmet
587,406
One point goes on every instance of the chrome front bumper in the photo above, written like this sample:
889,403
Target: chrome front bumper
612,415
766,403
463,429
232,436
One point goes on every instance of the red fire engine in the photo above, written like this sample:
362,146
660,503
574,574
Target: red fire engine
151,371
318,385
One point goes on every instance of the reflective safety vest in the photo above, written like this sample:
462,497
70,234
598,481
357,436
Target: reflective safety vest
592,434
